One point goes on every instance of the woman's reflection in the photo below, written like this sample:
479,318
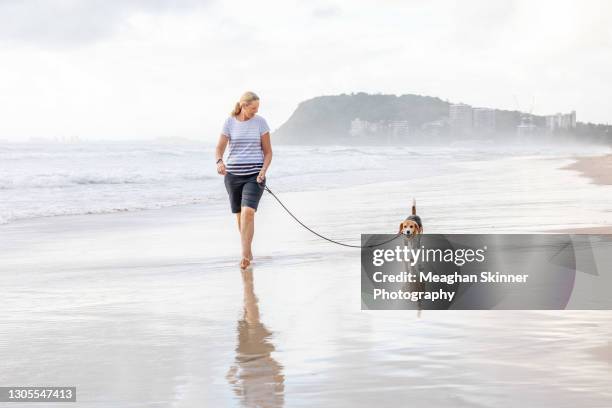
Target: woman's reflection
256,377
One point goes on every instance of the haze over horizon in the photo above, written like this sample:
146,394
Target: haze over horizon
142,69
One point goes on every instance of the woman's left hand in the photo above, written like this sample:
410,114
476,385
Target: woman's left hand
261,177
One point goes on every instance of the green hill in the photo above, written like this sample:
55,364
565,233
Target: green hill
327,119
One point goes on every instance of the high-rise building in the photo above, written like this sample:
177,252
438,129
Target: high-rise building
460,117
561,121
484,118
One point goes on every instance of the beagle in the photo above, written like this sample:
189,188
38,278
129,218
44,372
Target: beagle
411,226
411,229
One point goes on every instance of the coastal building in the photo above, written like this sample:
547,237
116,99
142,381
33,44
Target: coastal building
398,128
527,126
391,128
358,127
460,117
435,128
561,121
484,119
362,127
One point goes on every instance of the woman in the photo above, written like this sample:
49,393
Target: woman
250,154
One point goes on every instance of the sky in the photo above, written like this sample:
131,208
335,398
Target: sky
147,69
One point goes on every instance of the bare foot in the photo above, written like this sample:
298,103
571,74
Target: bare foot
244,263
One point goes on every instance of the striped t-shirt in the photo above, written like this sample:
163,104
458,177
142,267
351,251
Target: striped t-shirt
245,153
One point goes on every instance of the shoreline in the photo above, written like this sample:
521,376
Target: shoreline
599,170
596,168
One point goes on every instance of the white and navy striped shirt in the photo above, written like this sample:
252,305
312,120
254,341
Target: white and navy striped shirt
245,153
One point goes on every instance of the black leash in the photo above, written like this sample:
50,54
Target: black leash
319,235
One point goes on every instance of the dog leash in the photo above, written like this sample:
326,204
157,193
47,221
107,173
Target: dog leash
319,235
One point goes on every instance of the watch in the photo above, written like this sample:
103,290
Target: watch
221,159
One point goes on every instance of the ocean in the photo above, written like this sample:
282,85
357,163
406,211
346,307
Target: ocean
40,180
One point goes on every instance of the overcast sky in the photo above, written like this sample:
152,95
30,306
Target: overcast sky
139,69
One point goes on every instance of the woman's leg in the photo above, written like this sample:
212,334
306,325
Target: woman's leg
238,218
238,215
251,193
247,230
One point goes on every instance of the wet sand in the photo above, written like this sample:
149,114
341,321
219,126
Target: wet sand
589,230
597,168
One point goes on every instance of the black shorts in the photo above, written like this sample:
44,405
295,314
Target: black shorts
244,191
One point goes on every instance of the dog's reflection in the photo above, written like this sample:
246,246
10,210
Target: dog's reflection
256,378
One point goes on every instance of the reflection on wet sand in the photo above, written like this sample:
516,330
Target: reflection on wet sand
256,377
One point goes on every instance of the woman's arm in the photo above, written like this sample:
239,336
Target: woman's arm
266,146
221,145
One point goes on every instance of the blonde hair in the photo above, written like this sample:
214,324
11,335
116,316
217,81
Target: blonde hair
245,99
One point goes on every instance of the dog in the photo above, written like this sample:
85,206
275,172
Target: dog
411,229
412,226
